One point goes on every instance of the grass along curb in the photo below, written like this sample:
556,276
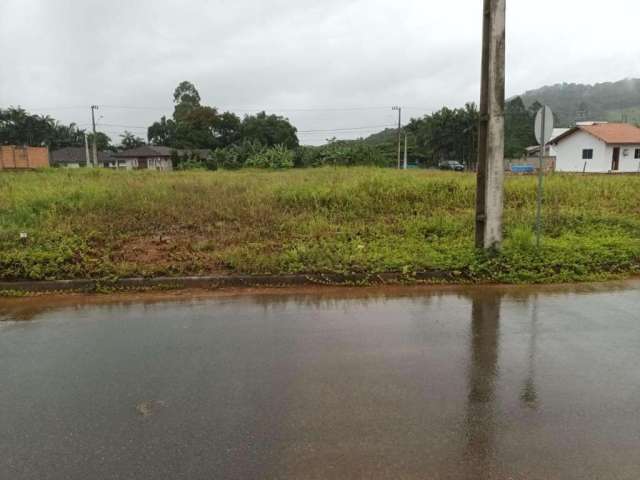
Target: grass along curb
95,224
220,281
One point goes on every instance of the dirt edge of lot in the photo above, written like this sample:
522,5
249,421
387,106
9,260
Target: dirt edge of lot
15,288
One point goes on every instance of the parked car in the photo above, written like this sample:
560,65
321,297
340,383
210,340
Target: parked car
451,165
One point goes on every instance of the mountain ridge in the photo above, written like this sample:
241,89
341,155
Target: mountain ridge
572,102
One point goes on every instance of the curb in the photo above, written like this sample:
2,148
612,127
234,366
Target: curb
222,281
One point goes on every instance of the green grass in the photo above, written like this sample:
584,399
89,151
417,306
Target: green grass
105,224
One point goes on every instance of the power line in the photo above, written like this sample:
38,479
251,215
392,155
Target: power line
345,129
261,108
230,108
329,130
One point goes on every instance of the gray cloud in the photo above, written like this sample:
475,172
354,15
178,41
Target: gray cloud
287,55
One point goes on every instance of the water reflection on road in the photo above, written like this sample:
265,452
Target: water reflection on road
477,383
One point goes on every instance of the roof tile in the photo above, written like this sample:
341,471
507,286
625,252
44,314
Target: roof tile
614,133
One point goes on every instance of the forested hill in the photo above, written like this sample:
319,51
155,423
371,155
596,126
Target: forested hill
451,134
571,102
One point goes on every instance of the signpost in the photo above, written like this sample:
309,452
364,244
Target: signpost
544,132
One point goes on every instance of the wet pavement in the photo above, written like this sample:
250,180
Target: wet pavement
424,383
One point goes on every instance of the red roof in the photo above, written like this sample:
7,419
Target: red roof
611,133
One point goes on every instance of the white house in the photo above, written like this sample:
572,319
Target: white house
533,153
598,147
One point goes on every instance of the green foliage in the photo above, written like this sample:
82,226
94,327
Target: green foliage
129,140
18,127
447,135
186,98
269,130
343,153
277,157
615,101
103,141
519,127
162,133
626,115
197,126
191,163
226,158
102,223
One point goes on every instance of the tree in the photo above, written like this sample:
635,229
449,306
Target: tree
162,133
186,98
227,129
66,136
103,141
519,131
269,130
196,128
200,126
186,93
129,140
447,135
18,127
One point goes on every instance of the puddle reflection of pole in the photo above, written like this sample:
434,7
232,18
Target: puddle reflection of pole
483,372
529,394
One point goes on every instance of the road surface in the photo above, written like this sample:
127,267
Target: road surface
477,383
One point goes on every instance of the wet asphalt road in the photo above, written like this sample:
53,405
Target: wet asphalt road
483,383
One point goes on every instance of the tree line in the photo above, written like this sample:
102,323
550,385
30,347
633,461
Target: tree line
270,141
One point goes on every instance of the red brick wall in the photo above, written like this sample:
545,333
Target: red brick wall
23,157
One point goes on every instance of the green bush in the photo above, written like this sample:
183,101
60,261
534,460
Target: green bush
277,157
341,153
226,158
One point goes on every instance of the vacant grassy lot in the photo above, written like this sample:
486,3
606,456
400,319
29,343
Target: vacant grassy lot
103,224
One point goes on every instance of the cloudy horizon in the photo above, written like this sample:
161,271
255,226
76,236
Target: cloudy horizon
327,66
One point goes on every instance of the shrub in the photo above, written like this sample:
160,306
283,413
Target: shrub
341,153
277,157
226,158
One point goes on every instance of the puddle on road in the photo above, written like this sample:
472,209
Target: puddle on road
421,382
27,308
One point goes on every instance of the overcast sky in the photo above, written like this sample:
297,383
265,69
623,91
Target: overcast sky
327,65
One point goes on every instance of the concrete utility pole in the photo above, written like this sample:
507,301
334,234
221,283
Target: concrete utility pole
95,140
86,151
399,109
405,166
490,194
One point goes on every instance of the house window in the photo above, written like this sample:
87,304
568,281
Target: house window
637,154
587,154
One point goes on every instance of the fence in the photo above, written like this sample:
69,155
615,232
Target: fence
549,164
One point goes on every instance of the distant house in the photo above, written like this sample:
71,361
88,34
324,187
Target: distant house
149,157
76,157
18,158
598,147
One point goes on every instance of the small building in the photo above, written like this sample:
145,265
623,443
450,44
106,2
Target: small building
598,147
76,157
149,157
533,153
20,158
